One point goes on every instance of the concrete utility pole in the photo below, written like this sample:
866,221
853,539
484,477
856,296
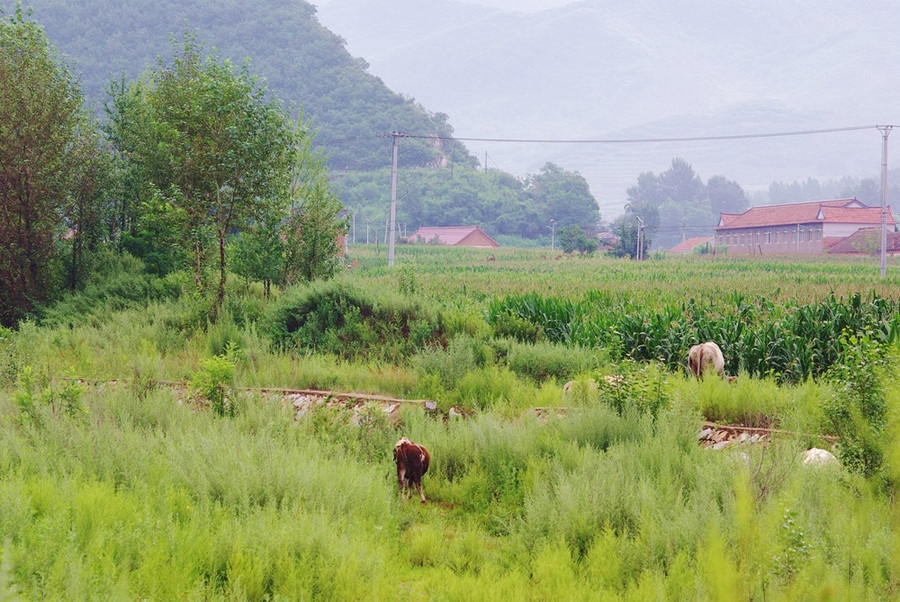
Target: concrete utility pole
640,239
552,235
396,136
885,131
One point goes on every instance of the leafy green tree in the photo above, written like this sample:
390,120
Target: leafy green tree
50,171
317,217
563,196
573,239
210,139
625,227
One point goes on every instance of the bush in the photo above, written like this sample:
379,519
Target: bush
857,411
636,387
543,360
335,317
213,384
121,284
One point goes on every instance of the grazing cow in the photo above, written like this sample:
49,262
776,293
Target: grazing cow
704,356
412,463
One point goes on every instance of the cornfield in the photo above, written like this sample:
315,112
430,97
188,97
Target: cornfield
788,341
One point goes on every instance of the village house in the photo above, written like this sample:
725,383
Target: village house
867,241
796,228
698,243
454,236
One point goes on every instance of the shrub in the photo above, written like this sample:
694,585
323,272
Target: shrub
636,387
335,317
213,384
857,411
544,360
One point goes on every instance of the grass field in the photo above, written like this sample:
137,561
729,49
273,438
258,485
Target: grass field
127,488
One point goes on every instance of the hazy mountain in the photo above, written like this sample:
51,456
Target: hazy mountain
644,69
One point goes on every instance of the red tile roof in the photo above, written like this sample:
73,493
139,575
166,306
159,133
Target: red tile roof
849,211
453,235
689,245
866,241
852,215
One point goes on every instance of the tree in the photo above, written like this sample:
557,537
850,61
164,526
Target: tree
625,227
563,196
50,171
573,239
726,196
311,234
209,139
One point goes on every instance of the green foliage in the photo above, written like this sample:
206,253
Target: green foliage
498,202
791,341
213,383
52,170
335,89
793,549
635,387
857,411
449,365
211,140
543,360
119,282
574,239
343,320
31,396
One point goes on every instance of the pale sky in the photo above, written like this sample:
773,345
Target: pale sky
525,6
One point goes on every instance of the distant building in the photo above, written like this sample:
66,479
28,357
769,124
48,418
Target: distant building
796,228
606,241
866,241
453,236
690,244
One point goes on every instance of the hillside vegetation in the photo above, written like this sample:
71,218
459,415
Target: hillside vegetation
175,470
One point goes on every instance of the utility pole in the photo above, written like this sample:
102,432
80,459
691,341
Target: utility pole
885,131
396,148
683,228
640,239
367,232
552,235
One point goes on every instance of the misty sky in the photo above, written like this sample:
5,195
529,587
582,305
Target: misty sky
521,5
644,69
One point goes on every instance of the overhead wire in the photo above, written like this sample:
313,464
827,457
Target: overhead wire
650,140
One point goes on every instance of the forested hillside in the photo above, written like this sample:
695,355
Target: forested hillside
303,63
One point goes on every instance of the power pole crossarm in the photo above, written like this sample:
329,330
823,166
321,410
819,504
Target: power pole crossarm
885,131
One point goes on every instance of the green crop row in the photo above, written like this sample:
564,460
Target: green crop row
758,336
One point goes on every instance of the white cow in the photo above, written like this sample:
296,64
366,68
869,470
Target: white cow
704,357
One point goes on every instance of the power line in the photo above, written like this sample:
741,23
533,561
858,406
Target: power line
651,140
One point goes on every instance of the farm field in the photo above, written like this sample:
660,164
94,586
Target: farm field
144,453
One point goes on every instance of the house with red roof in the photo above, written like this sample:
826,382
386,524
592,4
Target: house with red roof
796,228
866,241
690,244
454,236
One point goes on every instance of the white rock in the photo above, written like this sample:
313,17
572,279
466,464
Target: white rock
819,457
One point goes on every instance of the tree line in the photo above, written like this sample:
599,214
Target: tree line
193,152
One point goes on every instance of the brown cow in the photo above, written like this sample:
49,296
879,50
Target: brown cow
412,463
704,357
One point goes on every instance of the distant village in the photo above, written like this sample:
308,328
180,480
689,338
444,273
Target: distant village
837,226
